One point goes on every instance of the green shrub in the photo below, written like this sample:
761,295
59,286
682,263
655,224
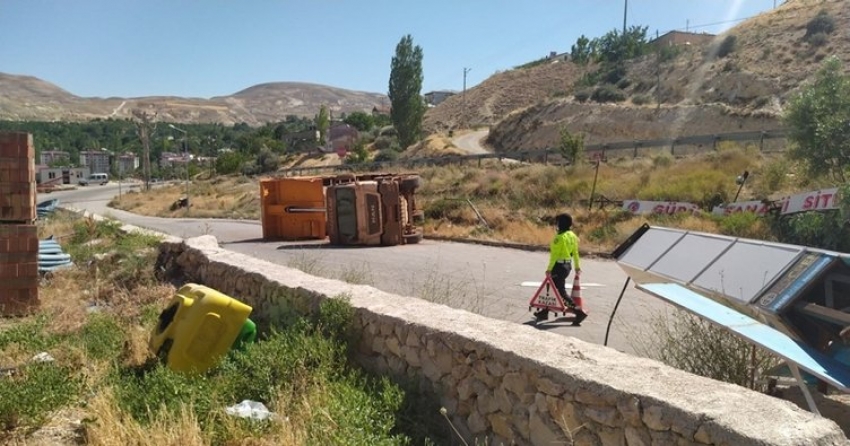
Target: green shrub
583,95
727,46
387,155
624,83
383,142
608,93
823,23
668,53
228,163
641,99
743,224
818,40
441,208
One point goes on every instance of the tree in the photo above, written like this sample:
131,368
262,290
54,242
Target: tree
818,122
405,88
570,145
145,127
323,123
362,121
582,51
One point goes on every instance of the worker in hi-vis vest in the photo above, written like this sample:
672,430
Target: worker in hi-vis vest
563,256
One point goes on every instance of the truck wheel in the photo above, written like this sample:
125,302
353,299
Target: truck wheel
410,183
412,239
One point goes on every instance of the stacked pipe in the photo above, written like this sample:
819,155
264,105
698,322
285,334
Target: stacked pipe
18,234
51,257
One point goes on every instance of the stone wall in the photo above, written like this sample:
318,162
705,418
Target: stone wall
507,383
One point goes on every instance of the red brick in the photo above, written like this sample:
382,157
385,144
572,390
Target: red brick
19,301
8,271
16,145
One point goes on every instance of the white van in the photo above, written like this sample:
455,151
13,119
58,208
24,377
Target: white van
95,178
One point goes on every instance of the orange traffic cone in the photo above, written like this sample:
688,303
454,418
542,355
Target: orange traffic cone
575,295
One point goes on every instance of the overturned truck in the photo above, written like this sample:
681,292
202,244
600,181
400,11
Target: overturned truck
348,209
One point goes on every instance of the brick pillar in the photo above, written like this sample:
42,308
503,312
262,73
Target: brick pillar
18,233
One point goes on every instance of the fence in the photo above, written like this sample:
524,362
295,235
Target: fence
634,148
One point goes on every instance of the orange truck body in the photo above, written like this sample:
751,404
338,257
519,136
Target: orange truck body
374,209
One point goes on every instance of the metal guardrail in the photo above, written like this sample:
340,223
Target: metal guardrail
594,150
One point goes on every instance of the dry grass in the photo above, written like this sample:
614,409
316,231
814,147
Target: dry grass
230,197
519,201
433,146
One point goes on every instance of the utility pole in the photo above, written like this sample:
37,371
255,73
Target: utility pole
463,95
145,128
625,12
186,158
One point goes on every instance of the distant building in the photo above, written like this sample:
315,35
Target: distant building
554,55
381,111
436,97
96,160
126,163
342,136
676,38
170,159
60,175
301,141
55,158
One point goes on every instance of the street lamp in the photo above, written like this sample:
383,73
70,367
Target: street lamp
186,158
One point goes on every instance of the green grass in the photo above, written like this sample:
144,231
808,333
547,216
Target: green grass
102,368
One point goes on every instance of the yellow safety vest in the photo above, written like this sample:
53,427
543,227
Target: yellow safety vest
564,247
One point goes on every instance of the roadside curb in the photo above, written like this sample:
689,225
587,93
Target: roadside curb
520,246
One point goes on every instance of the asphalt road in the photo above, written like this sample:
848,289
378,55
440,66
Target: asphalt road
486,280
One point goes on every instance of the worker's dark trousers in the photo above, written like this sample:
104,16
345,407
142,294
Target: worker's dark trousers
559,275
560,272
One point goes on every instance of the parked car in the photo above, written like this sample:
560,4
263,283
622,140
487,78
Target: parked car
95,178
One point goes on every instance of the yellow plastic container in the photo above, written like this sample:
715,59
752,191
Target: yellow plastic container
197,327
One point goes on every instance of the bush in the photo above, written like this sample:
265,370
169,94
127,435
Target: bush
668,53
744,224
641,99
696,346
583,95
727,46
387,155
624,83
608,93
818,39
228,163
384,142
823,23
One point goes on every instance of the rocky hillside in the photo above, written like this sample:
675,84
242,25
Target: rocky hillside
30,98
694,87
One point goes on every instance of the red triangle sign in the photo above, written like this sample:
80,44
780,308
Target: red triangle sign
550,300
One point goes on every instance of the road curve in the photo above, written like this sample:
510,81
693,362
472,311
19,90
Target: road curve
471,142
482,279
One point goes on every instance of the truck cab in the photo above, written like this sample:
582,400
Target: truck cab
373,210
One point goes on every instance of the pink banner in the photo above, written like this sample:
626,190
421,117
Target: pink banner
758,207
819,200
659,207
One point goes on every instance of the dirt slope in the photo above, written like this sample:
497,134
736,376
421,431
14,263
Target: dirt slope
699,92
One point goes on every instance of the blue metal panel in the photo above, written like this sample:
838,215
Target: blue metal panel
807,358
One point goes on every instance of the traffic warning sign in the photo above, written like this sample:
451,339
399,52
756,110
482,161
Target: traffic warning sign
550,299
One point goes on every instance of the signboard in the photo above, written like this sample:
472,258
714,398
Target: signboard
659,207
819,200
758,207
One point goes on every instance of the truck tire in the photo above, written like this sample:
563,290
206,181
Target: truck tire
410,183
412,239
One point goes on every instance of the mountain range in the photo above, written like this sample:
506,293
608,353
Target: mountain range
27,98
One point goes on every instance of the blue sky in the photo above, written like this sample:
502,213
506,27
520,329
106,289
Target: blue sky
208,48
